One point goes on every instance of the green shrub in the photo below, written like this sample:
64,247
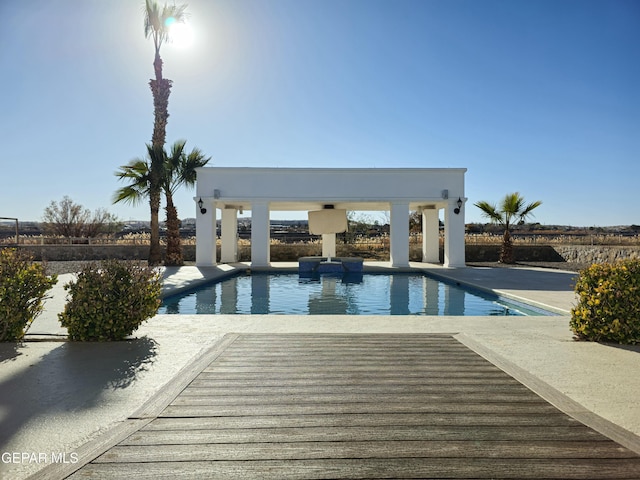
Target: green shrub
609,303
110,300
23,285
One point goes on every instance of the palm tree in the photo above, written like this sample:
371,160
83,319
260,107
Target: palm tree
157,21
176,169
179,169
512,210
137,174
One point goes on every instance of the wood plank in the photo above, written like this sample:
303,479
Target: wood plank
360,342
348,352
442,433
335,381
379,419
345,337
407,375
371,369
365,449
478,468
341,398
354,342
387,351
357,389
299,362
372,408
329,353
346,347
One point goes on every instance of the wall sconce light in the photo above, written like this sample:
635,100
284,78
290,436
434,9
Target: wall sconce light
459,203
200,203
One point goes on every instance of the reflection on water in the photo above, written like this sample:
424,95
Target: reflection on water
335,294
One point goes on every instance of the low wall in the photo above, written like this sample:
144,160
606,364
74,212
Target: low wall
522,253
65,253
583,254
597,253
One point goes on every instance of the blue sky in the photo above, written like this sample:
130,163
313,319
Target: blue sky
539,97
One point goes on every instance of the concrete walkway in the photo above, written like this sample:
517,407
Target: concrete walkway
55,396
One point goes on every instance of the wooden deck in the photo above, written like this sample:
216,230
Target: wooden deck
359,406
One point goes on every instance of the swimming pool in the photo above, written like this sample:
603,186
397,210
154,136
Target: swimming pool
350,294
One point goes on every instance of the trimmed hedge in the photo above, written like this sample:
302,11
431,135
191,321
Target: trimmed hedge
23,285
608,308
110,300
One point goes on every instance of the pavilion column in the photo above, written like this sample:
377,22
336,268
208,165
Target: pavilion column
399,234
260,234
328,244
453,236
206,234
229,235
430,236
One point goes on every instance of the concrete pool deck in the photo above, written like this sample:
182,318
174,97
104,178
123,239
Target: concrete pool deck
56,396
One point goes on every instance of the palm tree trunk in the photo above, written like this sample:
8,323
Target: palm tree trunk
506,252
160,89
155,253
174,246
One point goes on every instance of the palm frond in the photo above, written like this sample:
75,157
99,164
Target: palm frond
174,158
512,207
129,194
180,167
158,19
511,203
166,171
176,12
135,169
526,212
136,173
153,23
489,211
195,159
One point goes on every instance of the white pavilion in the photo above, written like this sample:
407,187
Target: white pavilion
231,190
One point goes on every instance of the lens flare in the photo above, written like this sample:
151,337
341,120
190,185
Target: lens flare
180,34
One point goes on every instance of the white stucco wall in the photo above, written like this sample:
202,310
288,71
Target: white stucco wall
301,186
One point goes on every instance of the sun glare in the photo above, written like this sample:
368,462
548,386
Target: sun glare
181,34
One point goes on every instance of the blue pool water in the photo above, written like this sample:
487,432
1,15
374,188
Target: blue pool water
353,294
